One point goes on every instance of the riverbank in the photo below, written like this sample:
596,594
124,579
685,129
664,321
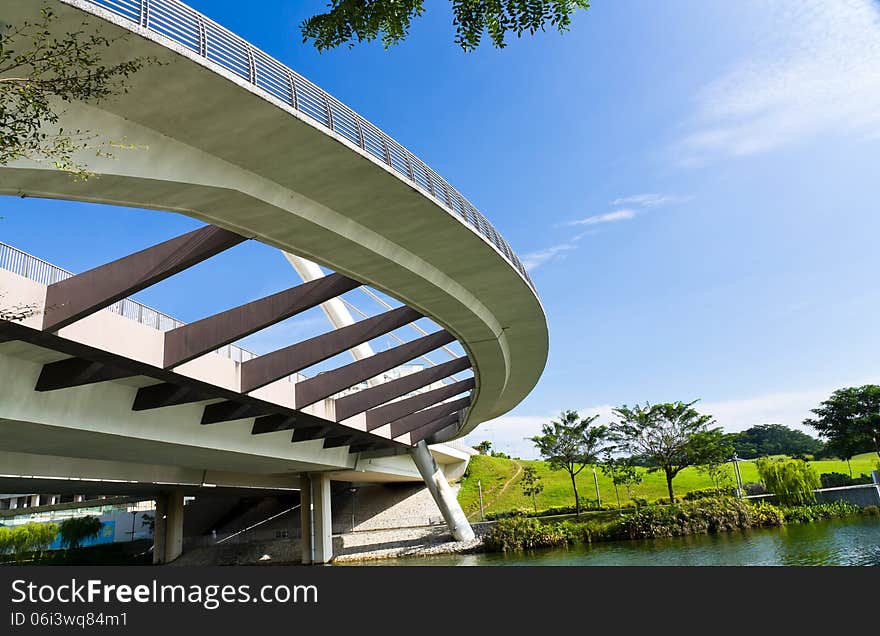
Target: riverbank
838,542
712,517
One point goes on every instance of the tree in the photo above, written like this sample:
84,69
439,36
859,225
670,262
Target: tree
850,418
623,472
483,447
531,484
845,448
353,21
571,444
717,471
38,72
76,530
793,481
668,437
773,439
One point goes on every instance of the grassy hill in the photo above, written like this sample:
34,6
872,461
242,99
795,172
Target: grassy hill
501,488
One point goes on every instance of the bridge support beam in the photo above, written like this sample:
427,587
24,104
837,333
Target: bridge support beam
168,529
439,488
315,519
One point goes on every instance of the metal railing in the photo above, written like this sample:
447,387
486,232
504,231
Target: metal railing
204,37
36,269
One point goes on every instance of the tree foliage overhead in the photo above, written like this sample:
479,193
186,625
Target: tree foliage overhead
773,439
353,21
669,437
850,418
571,444
39,72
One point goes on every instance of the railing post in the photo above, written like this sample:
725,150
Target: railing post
203,35
294,100
252,63
327,110
360,132
145,13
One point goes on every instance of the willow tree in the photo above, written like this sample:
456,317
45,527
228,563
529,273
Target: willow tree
793,481
571,443
353,21
668,437
40,72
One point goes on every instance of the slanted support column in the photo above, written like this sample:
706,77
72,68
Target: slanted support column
439,488
168,531
315,519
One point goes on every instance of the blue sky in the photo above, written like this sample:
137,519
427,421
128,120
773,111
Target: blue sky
693,185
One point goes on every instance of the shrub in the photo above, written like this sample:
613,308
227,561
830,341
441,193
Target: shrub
871,511
765,515
754,488
835,480
525,534
696,517
710,493
793,481
819,512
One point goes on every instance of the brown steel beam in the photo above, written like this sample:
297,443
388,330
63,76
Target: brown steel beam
78,296
229,411
332,382
53,342
167,394
417,420
436,426
395,410
360,447
337,441
283,362
203,336
286,421
350,405
273,423
72,372
305,433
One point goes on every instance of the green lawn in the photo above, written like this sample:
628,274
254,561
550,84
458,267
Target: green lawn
495,472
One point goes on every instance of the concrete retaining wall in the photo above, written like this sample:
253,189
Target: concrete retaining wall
861,495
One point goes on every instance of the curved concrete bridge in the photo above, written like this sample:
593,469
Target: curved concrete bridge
225,134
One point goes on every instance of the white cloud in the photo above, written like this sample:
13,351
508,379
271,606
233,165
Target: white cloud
814,71
609,217
533,260
651,200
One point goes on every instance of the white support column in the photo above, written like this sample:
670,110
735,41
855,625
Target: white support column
315,519
436,482
307,530
168,529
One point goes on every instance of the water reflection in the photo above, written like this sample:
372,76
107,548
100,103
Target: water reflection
845,542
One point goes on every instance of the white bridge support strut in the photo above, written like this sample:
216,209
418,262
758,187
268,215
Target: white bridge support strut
316,521
439,488
168,528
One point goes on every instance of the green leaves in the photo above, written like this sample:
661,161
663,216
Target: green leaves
793,481
850,418
38,73
354,21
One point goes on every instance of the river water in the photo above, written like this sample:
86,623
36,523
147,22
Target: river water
841,542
